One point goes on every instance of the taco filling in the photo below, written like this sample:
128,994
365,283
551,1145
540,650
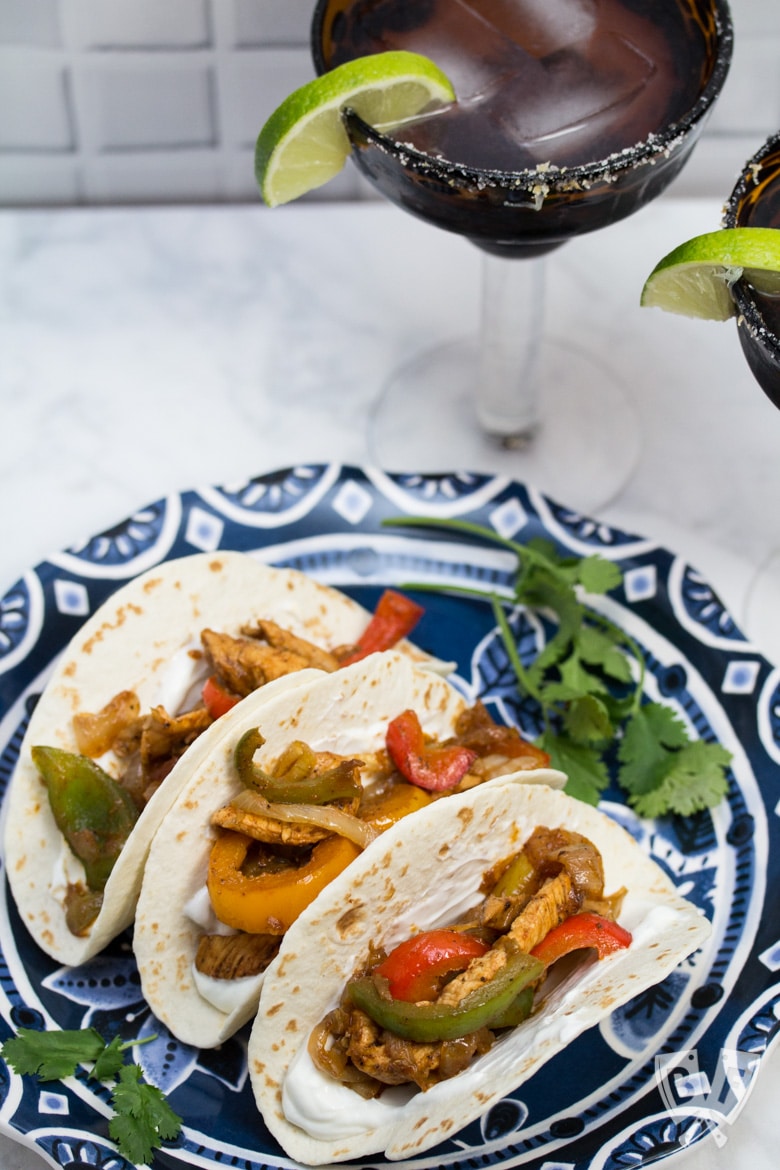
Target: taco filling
422,1012
96,807
461,952
294,825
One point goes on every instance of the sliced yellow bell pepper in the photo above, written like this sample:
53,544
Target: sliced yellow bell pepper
270,903
390,806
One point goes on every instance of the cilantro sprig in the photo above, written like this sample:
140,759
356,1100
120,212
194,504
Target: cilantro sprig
142,1117
588,682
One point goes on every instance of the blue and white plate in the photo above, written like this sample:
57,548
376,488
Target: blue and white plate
672,1067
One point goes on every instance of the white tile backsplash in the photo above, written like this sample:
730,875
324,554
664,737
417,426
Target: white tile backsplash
269,22
34,106
147,104
137,24
107,101
31,178
756,16
255,85
30,22
185,176
751,105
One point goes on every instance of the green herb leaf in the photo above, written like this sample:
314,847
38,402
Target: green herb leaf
650,734
52,1055
589,680
587,720
584,767
143,1118
664,771
574,681
598,649
694,781
110,1060
597,575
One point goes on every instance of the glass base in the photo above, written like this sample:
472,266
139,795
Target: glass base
761,618
582,452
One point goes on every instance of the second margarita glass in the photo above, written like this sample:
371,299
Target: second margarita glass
755,202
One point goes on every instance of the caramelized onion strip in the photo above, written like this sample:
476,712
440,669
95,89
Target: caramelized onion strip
331,1060
325,816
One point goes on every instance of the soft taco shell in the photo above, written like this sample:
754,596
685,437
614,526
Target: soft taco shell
421,874
129,644
346,713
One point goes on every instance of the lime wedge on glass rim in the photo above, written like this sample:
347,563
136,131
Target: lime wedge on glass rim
695,278
304,144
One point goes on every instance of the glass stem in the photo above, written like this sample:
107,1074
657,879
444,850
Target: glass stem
510,346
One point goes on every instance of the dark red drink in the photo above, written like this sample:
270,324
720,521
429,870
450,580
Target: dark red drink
570,113
538,81
755,202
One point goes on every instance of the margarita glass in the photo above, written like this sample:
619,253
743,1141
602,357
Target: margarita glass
571,115
755,202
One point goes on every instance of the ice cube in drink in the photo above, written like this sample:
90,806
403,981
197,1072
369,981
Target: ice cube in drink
542,27
587,92
467,45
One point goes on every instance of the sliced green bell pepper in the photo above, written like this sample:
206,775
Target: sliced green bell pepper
518,1010
487,1006
297,785
93,812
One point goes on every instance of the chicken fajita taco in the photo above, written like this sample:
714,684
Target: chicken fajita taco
146,687
304,783
464,950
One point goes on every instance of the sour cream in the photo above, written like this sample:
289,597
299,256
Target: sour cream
328,1110
67,871
182,679
200,911
227,995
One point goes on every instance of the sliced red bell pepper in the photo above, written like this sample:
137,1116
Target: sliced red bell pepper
217,699
435,768
414,969
394,618
580,931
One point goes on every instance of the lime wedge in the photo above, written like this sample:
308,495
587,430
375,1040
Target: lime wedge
695,278
304,144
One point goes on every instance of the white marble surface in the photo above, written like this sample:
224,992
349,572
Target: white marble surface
143,351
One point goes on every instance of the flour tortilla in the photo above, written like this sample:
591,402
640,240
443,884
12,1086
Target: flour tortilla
347,713
432,866
130,643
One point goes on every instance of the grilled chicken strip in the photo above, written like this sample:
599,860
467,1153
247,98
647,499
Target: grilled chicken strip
573,871
234,956
263,653
555,901
394,1061
282,639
